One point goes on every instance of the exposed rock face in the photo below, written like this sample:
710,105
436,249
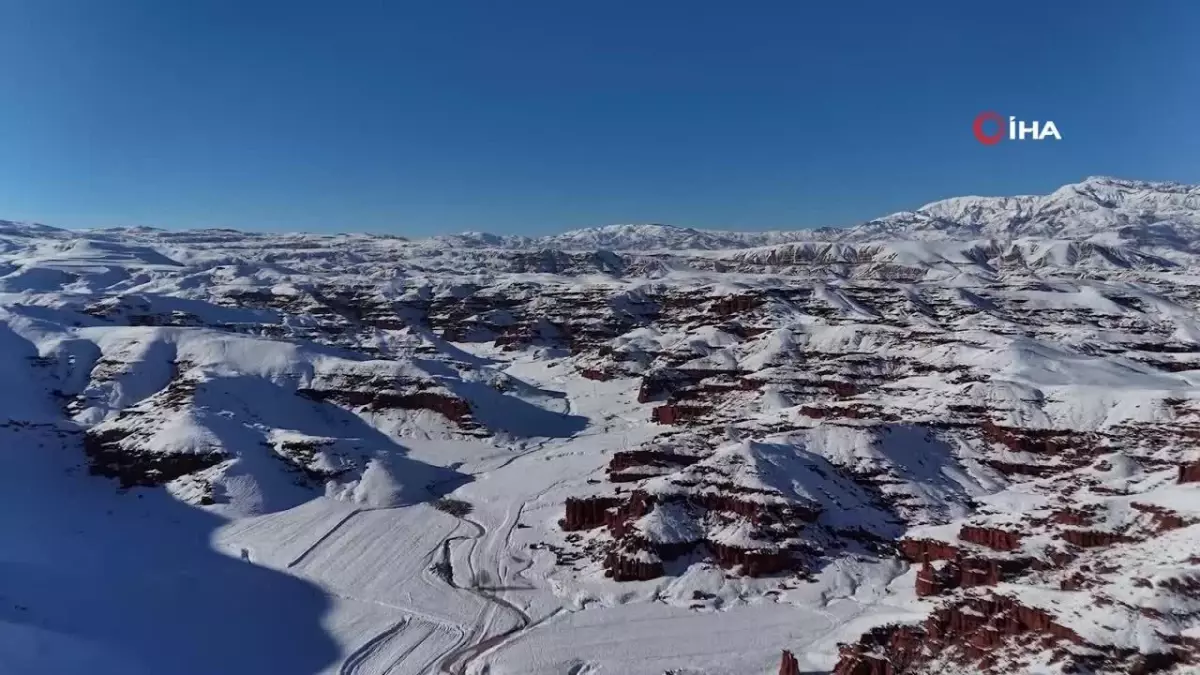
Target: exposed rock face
454,409
887,650
920,550
788,665
767,526
675,414
993,634
997,540
968,572
595,374
1189,473
1076,517
734,305
674,383
633,465
1163,519
752,563
1092,538
108,458
970,633
587,513
622,568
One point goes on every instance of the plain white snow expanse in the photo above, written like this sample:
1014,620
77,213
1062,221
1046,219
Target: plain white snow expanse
276,437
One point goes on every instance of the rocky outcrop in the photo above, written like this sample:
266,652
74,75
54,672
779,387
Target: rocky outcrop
587,513
1162,519
675,414
1093,538
931,581
622,568
632,556
454,409
968,572
887,650
736,304
920,550
1022,469
965,632
632,465
788,665
1189,473
661,384
138,468
990,537
1034,441
664,383
1076,517
753,563
977,634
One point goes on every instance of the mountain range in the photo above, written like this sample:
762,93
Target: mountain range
1140,212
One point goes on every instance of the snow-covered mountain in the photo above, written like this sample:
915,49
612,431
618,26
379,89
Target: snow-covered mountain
1145,213
960,439
1139,213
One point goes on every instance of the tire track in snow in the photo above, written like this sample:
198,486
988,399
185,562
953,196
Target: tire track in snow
394,648
458,660
323,538
356,659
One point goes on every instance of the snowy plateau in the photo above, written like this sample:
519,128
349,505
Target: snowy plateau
961,439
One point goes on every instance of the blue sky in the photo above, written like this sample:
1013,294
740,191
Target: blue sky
538,116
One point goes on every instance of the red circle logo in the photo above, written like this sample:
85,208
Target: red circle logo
984,137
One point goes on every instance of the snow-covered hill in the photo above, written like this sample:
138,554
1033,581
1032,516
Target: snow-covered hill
943,440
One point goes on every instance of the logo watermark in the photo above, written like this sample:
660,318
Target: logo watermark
1015,130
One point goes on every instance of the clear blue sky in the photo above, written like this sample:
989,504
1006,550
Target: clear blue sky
536,116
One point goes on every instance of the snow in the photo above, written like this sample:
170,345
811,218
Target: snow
334,537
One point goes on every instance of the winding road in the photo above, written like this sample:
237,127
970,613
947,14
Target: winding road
458,660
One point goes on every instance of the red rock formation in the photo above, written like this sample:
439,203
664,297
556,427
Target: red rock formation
621,463
917,550
966,632
788,665
1163,519
734,305
1035,441
1076,517
455,409
840,387
995,539
991,571
755,511
754,563
587,513
1021,468
625,459
887,650
635,506
969,572
930,581
1093,538
594,374
673,414
621,568
1189,473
